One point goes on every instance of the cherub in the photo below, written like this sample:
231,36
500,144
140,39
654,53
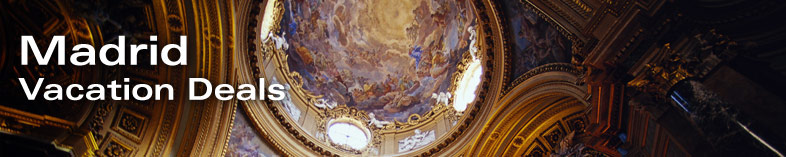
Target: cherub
442,97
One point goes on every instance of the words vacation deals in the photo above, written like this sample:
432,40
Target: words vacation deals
142,92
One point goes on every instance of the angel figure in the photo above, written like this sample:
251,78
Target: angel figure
375,122
473,49
442,97
322,103
279,41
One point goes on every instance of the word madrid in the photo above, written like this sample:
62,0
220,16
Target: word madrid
85,54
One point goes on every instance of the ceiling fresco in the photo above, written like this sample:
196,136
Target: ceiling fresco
387,57
534,41
245,141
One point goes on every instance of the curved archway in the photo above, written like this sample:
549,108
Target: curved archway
535,115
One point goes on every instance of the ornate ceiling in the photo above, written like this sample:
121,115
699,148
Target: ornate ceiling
113,128
408,77
533,40
389,58
398,80
408,81
383,77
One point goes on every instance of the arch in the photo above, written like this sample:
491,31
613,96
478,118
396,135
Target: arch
544,104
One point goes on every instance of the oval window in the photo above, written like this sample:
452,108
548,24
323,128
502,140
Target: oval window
465,91
347,134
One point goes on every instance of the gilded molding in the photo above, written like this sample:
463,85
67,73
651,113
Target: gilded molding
561,67
266,50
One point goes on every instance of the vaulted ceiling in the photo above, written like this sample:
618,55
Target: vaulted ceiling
412,78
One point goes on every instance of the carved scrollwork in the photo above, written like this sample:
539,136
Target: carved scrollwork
115,149
687,59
